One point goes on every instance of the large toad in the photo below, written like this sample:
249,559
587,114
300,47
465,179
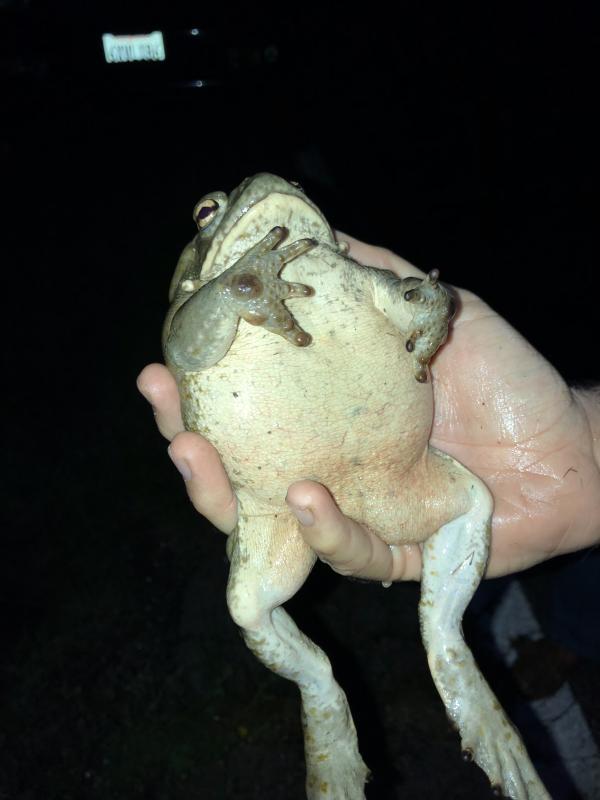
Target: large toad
322,373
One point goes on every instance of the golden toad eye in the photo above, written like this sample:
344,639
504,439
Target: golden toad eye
204,213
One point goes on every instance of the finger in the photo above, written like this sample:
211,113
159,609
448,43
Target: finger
205,478
379,257
158,386
345,545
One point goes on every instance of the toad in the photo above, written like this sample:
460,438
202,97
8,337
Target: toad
297,362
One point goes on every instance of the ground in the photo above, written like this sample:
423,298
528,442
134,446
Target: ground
133,682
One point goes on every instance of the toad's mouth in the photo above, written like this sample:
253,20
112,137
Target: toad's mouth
293,213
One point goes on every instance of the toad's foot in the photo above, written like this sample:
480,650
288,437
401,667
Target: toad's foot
490,739
334,767
429,329
454,560
420,309
199,329
256,291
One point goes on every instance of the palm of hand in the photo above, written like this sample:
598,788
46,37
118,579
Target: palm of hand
504,412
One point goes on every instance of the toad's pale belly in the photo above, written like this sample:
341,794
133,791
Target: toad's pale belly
346,411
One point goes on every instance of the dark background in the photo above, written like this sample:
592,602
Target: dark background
464,143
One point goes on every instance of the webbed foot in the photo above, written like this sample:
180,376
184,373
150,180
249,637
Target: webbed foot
434,308
334,767
490,739
256,292
199,329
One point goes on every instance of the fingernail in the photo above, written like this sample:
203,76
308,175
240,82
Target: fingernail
304,515
182,466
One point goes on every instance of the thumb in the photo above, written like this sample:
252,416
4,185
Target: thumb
344,544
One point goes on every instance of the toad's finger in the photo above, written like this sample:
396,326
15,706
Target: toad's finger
158,386
205,479
345,545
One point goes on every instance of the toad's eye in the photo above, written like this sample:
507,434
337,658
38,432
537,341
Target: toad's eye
204,213
297,185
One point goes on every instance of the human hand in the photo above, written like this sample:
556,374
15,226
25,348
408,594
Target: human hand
196,459
500,409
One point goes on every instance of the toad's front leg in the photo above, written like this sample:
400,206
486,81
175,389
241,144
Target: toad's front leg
199,331
420,308
454,560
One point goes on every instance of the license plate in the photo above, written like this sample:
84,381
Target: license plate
139,47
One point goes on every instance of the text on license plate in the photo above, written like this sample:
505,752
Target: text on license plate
139,47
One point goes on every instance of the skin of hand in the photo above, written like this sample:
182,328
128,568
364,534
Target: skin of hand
500,409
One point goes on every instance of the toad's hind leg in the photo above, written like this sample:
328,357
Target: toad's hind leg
269,563
454,560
